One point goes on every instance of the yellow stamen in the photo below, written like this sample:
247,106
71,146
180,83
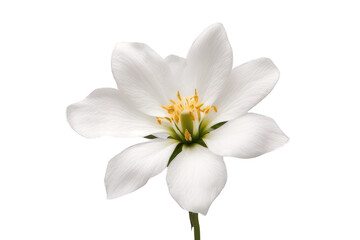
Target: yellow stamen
178,95
196,111
192,116
187,135
206,109
199,105
158,120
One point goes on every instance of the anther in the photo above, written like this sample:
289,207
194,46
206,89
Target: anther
178,95
187,136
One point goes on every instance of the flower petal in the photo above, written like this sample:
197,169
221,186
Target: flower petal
177,65
132,168
142,75
195,178
105,112
209,64
246,137
248,85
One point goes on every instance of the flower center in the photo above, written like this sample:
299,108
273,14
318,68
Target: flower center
185,117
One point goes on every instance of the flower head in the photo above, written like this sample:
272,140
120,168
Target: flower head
195,111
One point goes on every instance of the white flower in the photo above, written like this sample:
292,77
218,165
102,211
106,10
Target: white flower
184,103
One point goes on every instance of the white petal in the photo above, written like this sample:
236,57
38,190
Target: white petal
208,64
132,168
105,112
246,137
248,85
195,178
142,75
177,65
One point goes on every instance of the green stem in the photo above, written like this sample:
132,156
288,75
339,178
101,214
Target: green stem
194,220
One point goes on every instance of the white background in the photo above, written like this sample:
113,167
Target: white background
51,179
